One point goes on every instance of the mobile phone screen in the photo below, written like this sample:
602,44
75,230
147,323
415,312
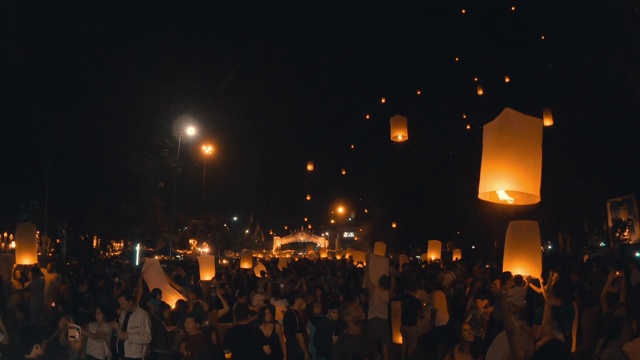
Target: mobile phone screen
73,332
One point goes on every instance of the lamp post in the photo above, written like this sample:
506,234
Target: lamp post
207,151
188,131
340,210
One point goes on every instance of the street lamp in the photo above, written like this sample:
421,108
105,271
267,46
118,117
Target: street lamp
340,210
189,131
207,151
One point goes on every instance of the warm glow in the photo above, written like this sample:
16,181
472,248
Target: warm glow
343,171
25,244
246,259
547,117
468,126
542,37
502,195
259,267
464,116
457,254
383,100
522,254
418,92
434,249
475,79
207,149
367,116
479,90
399,129
207,264
366,210
394,225
286,227
306,219
457,58
513,8
396,318
308,196
506,79
340,209
352,146
190,131
511,166
309,165
464,11
309,226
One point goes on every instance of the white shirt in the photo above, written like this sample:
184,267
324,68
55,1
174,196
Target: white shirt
439,303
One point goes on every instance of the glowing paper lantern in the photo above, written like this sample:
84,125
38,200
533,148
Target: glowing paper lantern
399,130
547,117
259,267
522,254
457,254
310,248
25,244
511,166
207,264
396,318
377,266
308,196
359,257
379,248
479,90
246,259
309,165
323,253
507,79
434,250
155,277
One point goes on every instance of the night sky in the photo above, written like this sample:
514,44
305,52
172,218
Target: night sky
92,94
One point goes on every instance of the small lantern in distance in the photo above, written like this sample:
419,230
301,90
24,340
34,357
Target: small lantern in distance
246,259
457,254
434,250
309,165
399,130
547,117
379,248
479,90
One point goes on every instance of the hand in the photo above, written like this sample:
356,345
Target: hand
123,335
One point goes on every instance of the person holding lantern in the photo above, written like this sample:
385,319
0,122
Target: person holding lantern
623,228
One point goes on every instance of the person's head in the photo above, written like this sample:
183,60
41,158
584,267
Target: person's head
242,296
352,314
32,342
518,280
192,322
241,311
165,311
266,314
51,267
296,299
333,308
126,300
506,279
104,313
156,294
17,274
466,334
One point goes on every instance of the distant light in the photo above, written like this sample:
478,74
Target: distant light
637,254
542,37
344,172
137,254
457,58
468,126
190,131
464,11
464,116
353,146
418,92
513,8
306,219
473,246
367,116
549,247
475,79
507,79
602,244
383,100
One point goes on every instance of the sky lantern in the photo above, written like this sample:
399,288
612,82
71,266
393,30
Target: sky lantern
246,259
383,100
434,250
418,92
25,244
547,117
522,253
507,79
468,126
457,254
308,196
207,265
309,165
367,116
323,253
399,130
259,267
282,263
394,225
155,277
511,167
343,171
479,90
396,318
379,248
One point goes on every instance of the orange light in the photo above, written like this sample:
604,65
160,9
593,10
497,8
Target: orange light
468,126
367,116
308,196
464,11
457,58
464,116
352,146
418,92
513,8
394,225
344,172
506,79
383,100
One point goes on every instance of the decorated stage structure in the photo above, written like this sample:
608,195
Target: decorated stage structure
299,236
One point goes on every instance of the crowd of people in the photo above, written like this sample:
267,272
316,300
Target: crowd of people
583,307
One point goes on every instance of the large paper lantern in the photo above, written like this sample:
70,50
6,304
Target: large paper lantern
434,250
25,244
522,252
246,259
379,248
155,277
457,254
399,130
359,257
396,321
323,253
282,263
511,166
547,117
207,264
259,267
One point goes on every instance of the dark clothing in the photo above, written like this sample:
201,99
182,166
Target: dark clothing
351,346
323,338
217,304
411,307
195,344
274,342
292,325
244,341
